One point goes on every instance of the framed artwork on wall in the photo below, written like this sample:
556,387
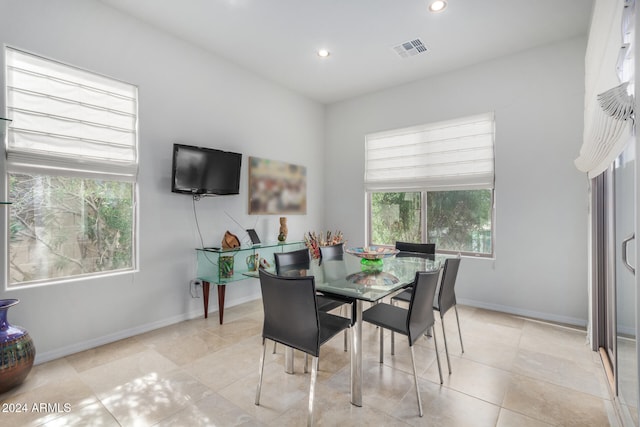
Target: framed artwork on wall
276,187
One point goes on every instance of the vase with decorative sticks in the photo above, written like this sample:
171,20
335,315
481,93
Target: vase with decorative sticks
314,241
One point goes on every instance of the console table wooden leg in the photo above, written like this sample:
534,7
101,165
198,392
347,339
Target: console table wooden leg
205,297
221,290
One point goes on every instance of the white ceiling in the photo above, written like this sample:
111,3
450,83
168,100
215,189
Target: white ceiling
278,39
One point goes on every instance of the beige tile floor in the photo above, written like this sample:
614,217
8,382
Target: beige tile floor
514,372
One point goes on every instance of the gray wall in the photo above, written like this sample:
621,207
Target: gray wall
540,265
187,96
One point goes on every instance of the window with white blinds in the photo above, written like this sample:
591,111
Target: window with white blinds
451,155
68,121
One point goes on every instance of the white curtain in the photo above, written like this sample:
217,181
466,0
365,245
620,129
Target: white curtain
450,155
608,113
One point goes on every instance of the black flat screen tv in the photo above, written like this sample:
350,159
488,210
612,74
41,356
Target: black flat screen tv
200,170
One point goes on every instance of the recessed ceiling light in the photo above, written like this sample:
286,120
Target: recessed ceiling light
323,53
437,6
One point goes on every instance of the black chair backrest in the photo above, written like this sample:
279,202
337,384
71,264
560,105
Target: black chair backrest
420,316
291,311
333,252
447,296
419,248
294,260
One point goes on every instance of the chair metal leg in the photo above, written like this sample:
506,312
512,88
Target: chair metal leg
393,340
415,379
435,343
274,347
314,374
446,349
289,357
459,331
260,371
393,344
346,313
381,345
306,362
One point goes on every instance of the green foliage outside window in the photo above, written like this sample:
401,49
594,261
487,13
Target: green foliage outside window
460,220
395,216
455,220
62,227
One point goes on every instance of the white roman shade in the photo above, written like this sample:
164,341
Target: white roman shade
69,121
451,155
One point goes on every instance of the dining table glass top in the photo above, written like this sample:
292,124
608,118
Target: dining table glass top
348,277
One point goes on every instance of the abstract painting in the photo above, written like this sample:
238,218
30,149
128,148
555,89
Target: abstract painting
276,187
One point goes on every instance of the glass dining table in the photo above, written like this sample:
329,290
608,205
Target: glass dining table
347,278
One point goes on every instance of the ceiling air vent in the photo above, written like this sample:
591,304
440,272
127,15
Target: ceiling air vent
410,48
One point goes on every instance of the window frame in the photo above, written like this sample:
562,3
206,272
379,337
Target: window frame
123,174
423,223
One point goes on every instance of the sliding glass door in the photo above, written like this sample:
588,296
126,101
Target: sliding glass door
624,259
615,296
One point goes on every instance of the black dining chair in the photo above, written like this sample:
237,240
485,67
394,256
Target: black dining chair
291,261
297,263
332,252
408,249
413,322
336,253
421,250
292,318
445,301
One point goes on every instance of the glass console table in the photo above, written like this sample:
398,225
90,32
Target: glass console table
224,266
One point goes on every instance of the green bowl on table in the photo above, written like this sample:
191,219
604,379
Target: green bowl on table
372,255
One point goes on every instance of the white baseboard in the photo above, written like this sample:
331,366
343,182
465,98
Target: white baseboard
105,339
526,313
128,333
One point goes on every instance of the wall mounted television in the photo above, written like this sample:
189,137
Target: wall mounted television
200,170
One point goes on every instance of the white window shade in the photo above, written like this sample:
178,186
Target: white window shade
452,155
69,121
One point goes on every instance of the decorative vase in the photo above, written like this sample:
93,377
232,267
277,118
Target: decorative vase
282,235
226,267
252,262
17,351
